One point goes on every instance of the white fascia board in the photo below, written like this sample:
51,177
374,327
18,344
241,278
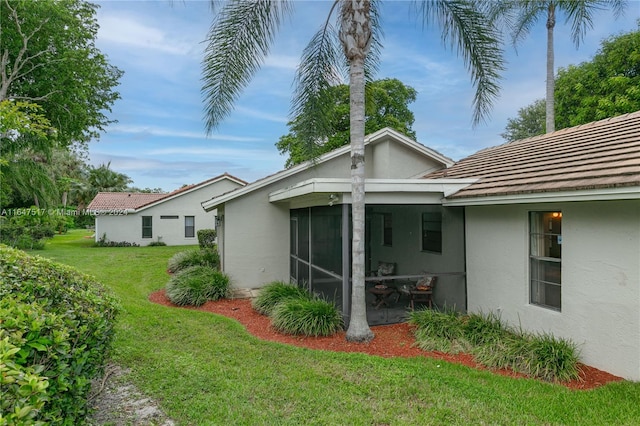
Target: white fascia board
343,186
188,191
605,194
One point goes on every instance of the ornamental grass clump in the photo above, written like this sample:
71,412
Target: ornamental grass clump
308,317
547,357
495,344
480,329
196,285
202,257
276,292
438,330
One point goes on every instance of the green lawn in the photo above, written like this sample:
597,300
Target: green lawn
207,370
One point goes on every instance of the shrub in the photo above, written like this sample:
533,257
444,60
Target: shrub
496,345
196,285
207,238
62,323
156,244
104,242
438,330
185,259
480,328
309,317
27,228
277,292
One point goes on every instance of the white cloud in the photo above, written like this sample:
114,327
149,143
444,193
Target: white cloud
262,115
130,32
161,131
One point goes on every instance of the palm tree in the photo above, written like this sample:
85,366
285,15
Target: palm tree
522,15
240,39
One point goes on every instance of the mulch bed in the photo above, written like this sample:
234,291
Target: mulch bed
395,340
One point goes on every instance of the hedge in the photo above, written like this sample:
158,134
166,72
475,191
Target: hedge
56,330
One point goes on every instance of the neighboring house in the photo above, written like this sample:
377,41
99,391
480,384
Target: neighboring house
544,231
172,218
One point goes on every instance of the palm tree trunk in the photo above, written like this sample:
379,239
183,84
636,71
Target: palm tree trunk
355,35
551,83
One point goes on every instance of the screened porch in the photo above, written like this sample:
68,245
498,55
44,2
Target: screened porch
405,242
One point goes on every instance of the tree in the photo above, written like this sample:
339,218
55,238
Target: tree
241,36
25,149
606,86
530,122
386,105
99,179
522,15
55,88
48,57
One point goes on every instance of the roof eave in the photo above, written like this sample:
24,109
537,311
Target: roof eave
598,194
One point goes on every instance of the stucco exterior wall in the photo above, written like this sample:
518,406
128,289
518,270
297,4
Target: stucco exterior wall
257,232
600,276
128,227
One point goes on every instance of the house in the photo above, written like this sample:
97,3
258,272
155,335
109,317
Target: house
172,218
552,236
290,226
544,231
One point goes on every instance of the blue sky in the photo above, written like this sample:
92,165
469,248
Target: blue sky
160,140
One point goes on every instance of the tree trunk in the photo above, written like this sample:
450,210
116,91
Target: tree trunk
355,35
551,82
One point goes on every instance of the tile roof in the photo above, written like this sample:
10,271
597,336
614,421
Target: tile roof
122,200
136,200
602,154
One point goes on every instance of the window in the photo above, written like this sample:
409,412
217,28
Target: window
387,229
432,231
169,217
147,227
545,254
189,226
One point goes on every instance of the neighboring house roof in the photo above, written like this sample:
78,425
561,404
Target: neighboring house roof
380,135
599,158
134,201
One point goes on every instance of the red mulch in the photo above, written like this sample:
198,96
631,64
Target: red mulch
394,340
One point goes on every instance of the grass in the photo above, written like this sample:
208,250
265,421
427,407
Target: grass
207,370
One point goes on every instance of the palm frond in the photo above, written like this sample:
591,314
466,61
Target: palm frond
470,33
580,14
321,67
237,44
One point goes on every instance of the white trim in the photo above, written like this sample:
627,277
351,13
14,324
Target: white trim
373,138
194,188
343,186
604,194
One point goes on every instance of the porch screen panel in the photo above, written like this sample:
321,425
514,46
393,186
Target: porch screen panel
299,246
326,238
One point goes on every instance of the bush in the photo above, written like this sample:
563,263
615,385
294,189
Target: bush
27,228
185,259
207,238
480,329
309,317
104,242
62,324
277,292
438,331
495,345
196,285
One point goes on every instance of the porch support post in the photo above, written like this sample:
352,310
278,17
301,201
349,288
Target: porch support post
346,263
